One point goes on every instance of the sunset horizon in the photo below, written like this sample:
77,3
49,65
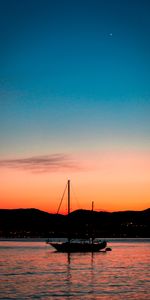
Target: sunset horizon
78,209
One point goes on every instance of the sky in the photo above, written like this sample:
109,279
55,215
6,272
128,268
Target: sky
75,104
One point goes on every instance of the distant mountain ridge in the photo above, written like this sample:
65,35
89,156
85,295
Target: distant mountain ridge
36,223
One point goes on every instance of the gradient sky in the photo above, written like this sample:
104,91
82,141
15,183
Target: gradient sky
75,103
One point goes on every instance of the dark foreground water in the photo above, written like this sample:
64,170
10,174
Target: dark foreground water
32,270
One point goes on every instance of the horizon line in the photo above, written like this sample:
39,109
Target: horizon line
80,209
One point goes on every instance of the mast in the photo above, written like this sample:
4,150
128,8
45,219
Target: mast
92,222
68,197
68,210
92,205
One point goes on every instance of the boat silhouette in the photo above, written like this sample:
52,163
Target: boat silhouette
76,245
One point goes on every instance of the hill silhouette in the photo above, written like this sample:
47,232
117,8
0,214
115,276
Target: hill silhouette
36,223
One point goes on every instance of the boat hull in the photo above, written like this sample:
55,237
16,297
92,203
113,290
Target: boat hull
78,247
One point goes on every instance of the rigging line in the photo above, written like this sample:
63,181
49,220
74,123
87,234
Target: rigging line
62,199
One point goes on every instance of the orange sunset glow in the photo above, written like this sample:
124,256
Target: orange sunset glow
114,181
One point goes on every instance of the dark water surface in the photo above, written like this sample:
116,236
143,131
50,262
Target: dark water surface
33,270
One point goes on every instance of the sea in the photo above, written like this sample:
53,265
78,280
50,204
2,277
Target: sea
32,269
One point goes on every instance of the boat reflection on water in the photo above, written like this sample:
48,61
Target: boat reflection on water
84,265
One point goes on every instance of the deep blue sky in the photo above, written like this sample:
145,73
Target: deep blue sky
74,75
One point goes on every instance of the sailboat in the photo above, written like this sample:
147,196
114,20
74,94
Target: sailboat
89,245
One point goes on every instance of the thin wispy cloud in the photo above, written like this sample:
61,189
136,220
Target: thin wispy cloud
39,164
